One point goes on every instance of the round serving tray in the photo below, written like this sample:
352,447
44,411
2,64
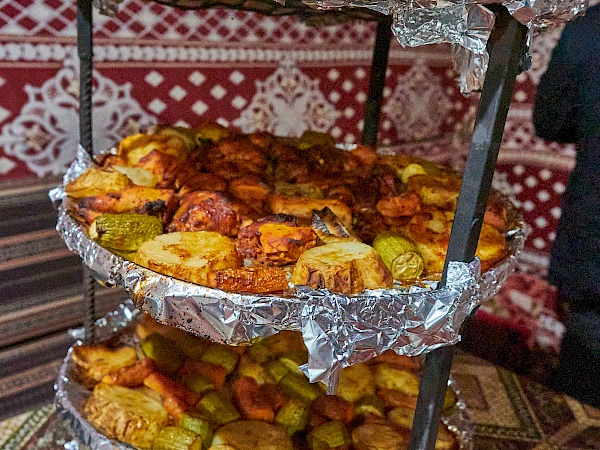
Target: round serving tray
338,330
71,394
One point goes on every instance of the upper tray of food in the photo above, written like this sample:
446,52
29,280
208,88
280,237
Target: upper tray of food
235,236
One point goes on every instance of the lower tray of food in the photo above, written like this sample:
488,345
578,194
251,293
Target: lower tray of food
150,386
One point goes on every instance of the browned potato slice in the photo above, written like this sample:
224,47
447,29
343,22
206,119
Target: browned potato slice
345,267
99,360
251,435
189,255
303,207
125,414
377,436
96,181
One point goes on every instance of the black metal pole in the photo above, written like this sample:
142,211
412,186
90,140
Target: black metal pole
85,52
506,48
377,82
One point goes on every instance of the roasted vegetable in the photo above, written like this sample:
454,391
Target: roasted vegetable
198,424
162,350
346,267
218,409
177,438
189,256
293,417
410,170
124,232
139,176
370,404
221,355
126,415
330,435
399,255
297,386
355,382
298,190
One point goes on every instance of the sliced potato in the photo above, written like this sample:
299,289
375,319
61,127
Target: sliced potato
303,207
189,255
377,436
96,181
139,176
355,382
345,267
99,360
125,414
251,435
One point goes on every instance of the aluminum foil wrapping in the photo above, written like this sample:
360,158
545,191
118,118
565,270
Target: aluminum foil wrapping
339,330
71,395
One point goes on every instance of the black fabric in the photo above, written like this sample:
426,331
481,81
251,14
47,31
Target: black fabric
567,109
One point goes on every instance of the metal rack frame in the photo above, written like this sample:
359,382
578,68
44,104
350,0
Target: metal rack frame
506,48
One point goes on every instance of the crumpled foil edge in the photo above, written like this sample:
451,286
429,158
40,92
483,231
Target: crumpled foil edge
70,395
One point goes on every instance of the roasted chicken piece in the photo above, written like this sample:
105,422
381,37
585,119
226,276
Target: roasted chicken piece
241,152
169,170
205,211
131,199
251,190
275,240
439,191
202,182
430,233
403,205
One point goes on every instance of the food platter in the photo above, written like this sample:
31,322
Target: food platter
339,328
126,326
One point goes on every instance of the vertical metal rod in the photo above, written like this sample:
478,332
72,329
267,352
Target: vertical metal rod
377,82
506,48
85,52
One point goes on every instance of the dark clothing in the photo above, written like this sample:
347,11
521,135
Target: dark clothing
567,109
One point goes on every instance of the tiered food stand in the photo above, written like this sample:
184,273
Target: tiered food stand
507,49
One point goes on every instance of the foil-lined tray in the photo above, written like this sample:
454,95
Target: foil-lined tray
71,395
339,330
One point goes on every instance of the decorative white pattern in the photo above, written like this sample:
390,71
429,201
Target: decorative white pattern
287,103
541,51
44,135
6,165
419,104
